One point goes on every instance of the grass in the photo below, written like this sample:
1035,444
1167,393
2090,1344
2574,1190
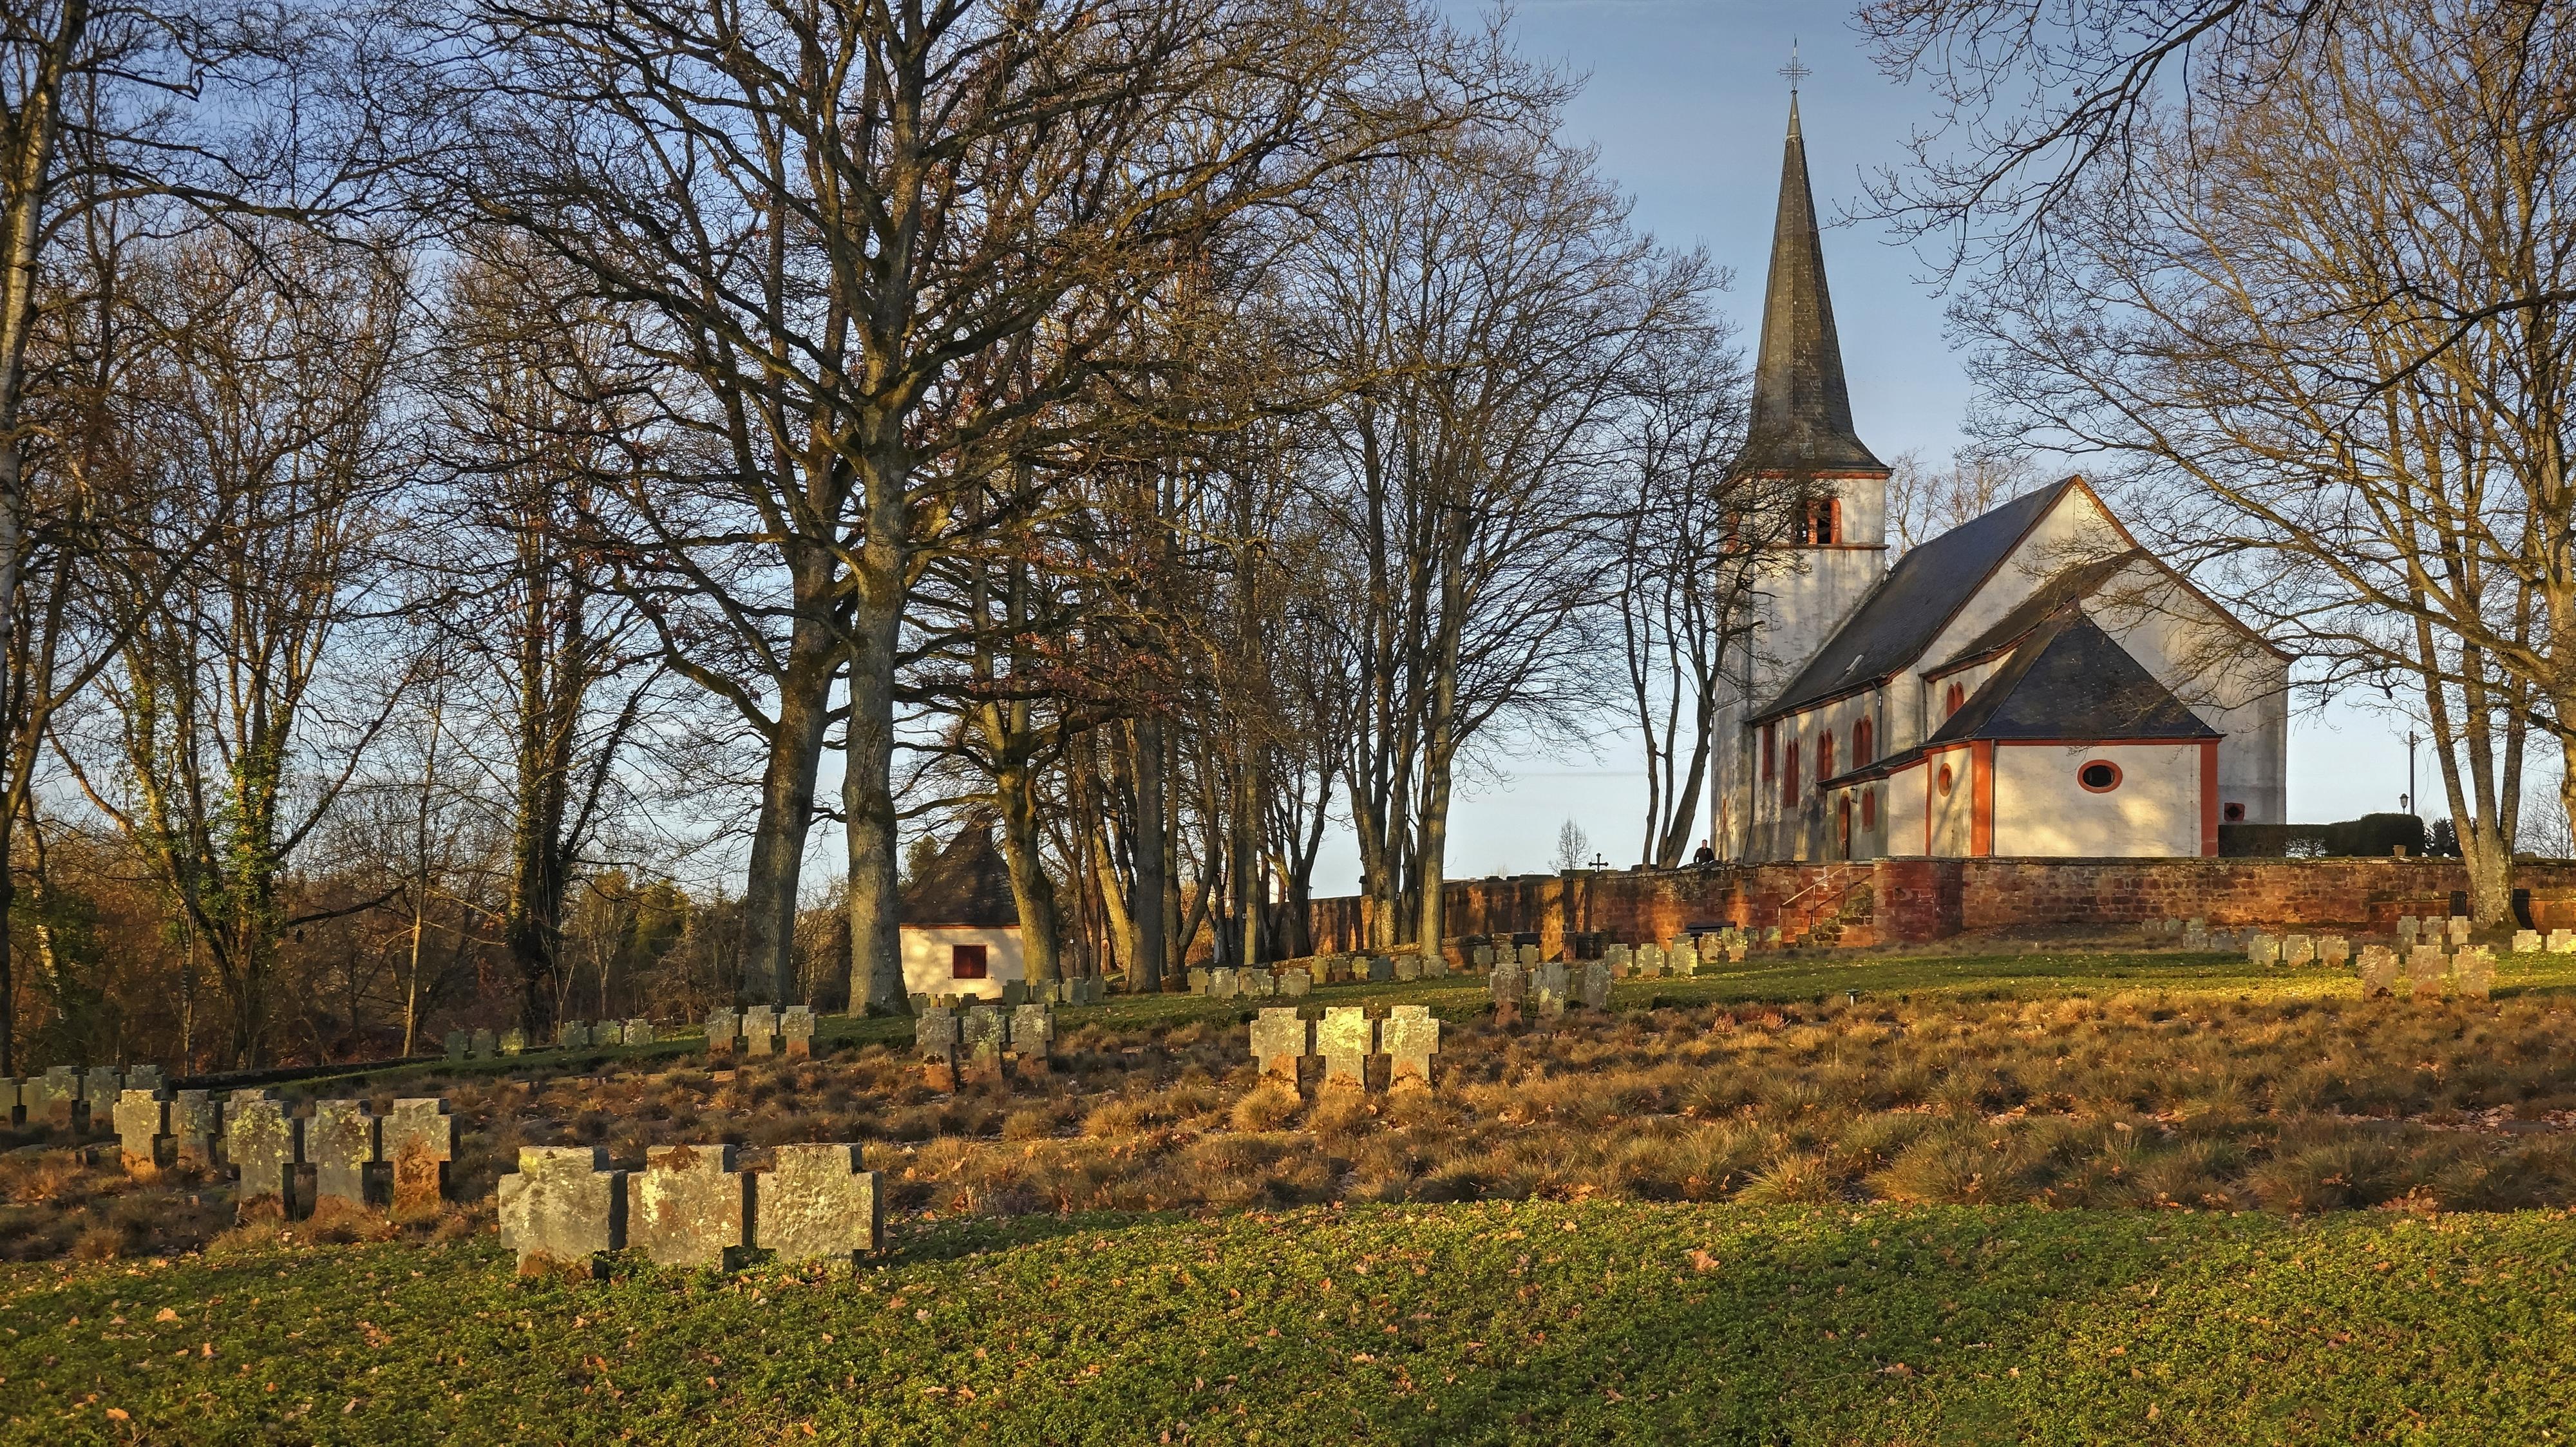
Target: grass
1478,1323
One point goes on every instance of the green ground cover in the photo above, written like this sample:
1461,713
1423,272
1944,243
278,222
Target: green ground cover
1464,1323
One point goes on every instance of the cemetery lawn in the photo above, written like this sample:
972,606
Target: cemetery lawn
1538,1323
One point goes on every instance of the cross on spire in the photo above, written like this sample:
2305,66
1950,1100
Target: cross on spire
1793,70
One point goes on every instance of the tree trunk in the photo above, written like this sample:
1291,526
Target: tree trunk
787,799
1041,944
1153,861
867,776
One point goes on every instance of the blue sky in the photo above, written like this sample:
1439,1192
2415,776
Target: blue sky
1686,105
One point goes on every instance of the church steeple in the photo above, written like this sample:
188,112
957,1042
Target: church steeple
1801,411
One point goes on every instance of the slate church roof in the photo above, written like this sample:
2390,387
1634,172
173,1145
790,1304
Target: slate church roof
1802,418
2070,680
966,886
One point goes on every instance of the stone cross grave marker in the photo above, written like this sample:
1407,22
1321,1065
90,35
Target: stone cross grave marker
2195,935
2263,949
2424,966
1481,957
1408,967
146,1077
982,1037
760,1030
724,1029
2526,942
562,1208
1014,992
1595,989
1547,989
1506,984
1293,984
639,1032
100,1086
2409,930
575,1035
2561,942
690,1207
341,1141
1619,961
196,1128
2334,951
1650,961
459,1045
2298,950
2474,970
1033,1036
1198,981
1346,1039
142,1118
1280,1040
486,1045
815,1204
2378,971
1381,970
1410,1036
53,1098
796,1031
514,1041
1435,965
934,1042
1221,983
2459,930
265,1144
419,1139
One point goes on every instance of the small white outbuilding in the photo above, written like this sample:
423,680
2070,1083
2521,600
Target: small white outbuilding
961,925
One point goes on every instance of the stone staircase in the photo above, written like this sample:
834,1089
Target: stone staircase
1839,910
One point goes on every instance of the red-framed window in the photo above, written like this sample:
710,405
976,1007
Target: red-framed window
1869,809
1822,526
1770,752
1951,698
1789,777
1864,746
1824,756
966,962
2097,776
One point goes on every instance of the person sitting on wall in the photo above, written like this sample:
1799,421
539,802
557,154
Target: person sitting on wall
1705,858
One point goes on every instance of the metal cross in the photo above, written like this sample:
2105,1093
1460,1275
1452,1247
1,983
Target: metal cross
1793,70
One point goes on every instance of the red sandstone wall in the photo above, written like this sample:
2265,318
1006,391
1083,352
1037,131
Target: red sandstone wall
1926,899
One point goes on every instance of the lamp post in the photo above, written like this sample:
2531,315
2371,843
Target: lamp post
2412,738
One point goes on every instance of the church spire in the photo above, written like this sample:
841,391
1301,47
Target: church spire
1801,411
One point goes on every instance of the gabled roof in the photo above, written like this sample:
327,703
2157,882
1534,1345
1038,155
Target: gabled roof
966,885
2070,680
1801,418
2072,584
1916,600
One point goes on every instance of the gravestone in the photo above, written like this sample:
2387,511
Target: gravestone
1595,989
1346,1039
1435,965
8,1100
1507,984
1381,970
53,1099
815,1204
2424,966
196,1129
796,1032
760,1030
264,1144
1088,990
1650,961
100,1085
142,1121
1294,984
1014,993
514,1041
981,1037
1529,957
1683,963
2263,949
1481,957
1257,984
2473,969
1410,1037
639,1032
1547,990
2526,942
146,1077
724,1029
934,1043
1033,1036
2561,942
1198,982
2378,971
2459,930
341,1141
1281,1039
1712,947
485,1045
2298,950
575,1035
2409,930
2195,934
609,1032
562,1208
690,1207
419,1140
1408,967
2334,951
1221,983
1618,959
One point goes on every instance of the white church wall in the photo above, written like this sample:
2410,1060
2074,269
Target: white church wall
2041,808
2234,684
927,953
1907,829
1953,809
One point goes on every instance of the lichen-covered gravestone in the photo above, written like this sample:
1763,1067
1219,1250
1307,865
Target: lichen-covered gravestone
1408,967
1410,1037
1507,983
420,1139
815,1204
2561,942
2298,950
796,1031
1529,957
639,1032
981,1038
2526,942
1435,965
1033,1037
2474,969
2409,930
514,1041
562,1208
2195,935
1198,981
1618,959
934,1043
1293,984
575,1035
2334,951
2378,971
100,1086
196,1128
1595,989
459,1045
340,1141
55,1098
1015,992
1547,990
1346,1039
1650,961
2263,949
760,1030
1481,957
690,1207
1281,1040
264,1144
1221,983
486,1045
142,1118
2424,966
2459,929
724,1028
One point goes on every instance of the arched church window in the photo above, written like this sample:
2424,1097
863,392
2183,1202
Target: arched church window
1863,754
1950,700
1824,521
1824,756
1770,752
1869,809
1789,781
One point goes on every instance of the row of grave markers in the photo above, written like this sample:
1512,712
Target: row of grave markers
360,1160
761,1029
1074,990
571,1035
68,1099
1346,1039
983,1044
691,1205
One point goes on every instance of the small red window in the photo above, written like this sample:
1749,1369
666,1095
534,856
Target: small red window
966,962
1824,756
1770,752
1789,781
1942,782
1869,809
1862,751
2233,813
2099,776
1951,700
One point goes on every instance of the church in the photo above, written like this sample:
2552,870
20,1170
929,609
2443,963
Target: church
2032,683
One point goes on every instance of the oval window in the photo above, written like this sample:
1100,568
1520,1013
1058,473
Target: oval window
1943,781
2099,777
